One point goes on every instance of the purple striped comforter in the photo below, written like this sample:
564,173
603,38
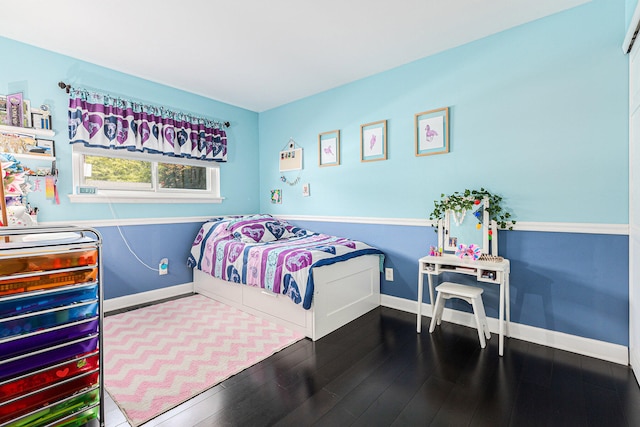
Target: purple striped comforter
283,266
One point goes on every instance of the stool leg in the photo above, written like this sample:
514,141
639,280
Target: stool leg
436,316
440,311
476,314
483,316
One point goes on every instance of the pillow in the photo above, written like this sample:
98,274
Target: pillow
298,232
241,218
215,228
259,229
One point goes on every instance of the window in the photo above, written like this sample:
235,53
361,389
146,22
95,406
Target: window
127,177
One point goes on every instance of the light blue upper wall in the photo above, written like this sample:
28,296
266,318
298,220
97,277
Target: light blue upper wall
36,72
539,115
630,7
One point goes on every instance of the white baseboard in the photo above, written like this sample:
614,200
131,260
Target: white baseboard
635,364
586,346
126,301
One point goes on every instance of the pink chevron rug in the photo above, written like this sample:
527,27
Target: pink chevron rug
160,356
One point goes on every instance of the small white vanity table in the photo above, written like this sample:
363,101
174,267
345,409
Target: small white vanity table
484,271
496,272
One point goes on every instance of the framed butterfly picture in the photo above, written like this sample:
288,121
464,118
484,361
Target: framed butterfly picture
329,148
432,132
373,141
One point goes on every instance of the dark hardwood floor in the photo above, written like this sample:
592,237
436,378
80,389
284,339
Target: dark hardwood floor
377,371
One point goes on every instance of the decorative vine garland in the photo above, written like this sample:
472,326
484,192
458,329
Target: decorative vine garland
459,203
285,180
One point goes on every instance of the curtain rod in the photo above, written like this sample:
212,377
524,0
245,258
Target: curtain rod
67,88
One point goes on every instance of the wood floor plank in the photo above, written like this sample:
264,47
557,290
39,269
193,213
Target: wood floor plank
369,390
425,403
388,406
568,403
531,406
628,392
603,406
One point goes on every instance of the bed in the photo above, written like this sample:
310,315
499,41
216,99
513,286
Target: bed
310,282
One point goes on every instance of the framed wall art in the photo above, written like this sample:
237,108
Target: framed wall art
373,141
4,117
329,148
432,132
276,197
41,118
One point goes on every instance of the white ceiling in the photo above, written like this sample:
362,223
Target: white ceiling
259,54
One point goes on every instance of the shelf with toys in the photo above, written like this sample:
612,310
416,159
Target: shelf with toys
33,147
27,143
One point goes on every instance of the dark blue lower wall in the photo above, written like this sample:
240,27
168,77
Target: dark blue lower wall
124,275
567,282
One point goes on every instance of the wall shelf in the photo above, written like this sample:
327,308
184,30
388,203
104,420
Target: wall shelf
42,158
36,133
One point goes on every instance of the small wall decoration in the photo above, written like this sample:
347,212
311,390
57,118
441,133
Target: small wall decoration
4,118
17,144
329,148
276,197
373,141
41,117
290,157
15,112
26,114
432,132
46,147
291,160
306,190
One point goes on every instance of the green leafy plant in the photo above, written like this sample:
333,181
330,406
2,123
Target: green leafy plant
459,202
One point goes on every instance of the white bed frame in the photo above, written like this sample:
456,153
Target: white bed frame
343,292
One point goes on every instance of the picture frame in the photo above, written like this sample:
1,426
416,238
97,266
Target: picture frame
37,119
40,119
276,196
373,141
48,146
15,110
432,132
26,114
3,110
329,148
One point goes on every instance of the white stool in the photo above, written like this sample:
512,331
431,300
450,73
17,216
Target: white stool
472,295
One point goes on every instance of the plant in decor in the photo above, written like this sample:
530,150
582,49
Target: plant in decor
461,202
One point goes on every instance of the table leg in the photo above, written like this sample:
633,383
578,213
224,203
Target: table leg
508,306
501,319
420,291
431,300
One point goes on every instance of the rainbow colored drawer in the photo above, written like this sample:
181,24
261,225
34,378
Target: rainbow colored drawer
50,326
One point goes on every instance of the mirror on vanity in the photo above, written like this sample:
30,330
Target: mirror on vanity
469,217
466,227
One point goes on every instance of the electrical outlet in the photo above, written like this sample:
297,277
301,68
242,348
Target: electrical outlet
388,274
163,267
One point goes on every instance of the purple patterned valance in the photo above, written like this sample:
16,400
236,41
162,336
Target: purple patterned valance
99,120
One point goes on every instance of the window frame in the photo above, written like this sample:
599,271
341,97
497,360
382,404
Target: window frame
156,195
